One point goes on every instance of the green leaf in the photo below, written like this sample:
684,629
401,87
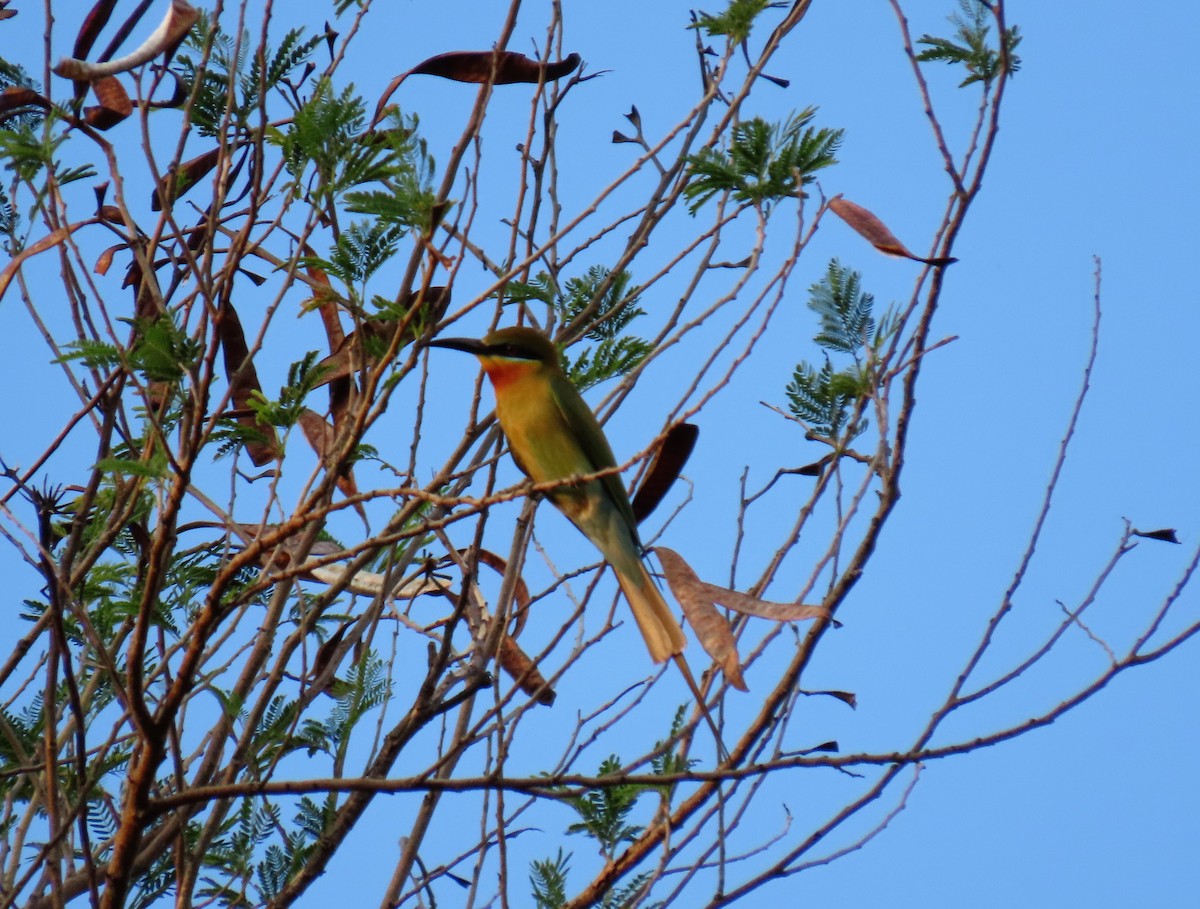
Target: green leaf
303,377
613,312
824,399
626,896
400,160
293,52
542,289
609,358
764,162
230,92
363,249
314,819
604,811
734,22
617,353
161,351
92,354
668,762
211,85
28,151
971,50
322,136
154,469
327,138
844,310
10,220
548,878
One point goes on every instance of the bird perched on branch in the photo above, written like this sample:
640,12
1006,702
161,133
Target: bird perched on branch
554,436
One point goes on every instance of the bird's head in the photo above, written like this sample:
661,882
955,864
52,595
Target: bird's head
508,352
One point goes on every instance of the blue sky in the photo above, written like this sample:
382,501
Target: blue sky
1096,158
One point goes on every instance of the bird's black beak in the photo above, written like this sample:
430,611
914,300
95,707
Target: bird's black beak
470,345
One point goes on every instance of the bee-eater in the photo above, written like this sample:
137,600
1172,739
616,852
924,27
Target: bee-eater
554,436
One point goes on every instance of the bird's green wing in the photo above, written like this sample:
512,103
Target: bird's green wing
583,425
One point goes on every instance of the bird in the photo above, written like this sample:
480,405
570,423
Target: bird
554,437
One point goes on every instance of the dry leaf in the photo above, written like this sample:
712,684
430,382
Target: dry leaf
664,470
114,104
47,242
323,437
370,584
511,67
711,628
13,100
824,746
846,697
363,583
697,598
326,652
104,263
169,34
243,381
178,180
814,469
1166,535
93,24
358,350
476,67
326,300
520,588
875,231
512,659
764,609
673,563
524,672
179,94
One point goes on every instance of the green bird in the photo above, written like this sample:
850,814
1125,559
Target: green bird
554,436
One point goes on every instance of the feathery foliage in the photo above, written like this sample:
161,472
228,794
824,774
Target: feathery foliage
844,310
604,812
29,151
972,50
615,353
764,162
284,411
734,22
548,877
228,90
826,399
608,314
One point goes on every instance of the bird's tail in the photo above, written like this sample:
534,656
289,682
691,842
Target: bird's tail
662,633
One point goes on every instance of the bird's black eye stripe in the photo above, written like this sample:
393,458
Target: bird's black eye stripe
515,351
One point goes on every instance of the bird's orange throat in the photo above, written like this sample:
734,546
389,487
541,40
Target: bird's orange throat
503,371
